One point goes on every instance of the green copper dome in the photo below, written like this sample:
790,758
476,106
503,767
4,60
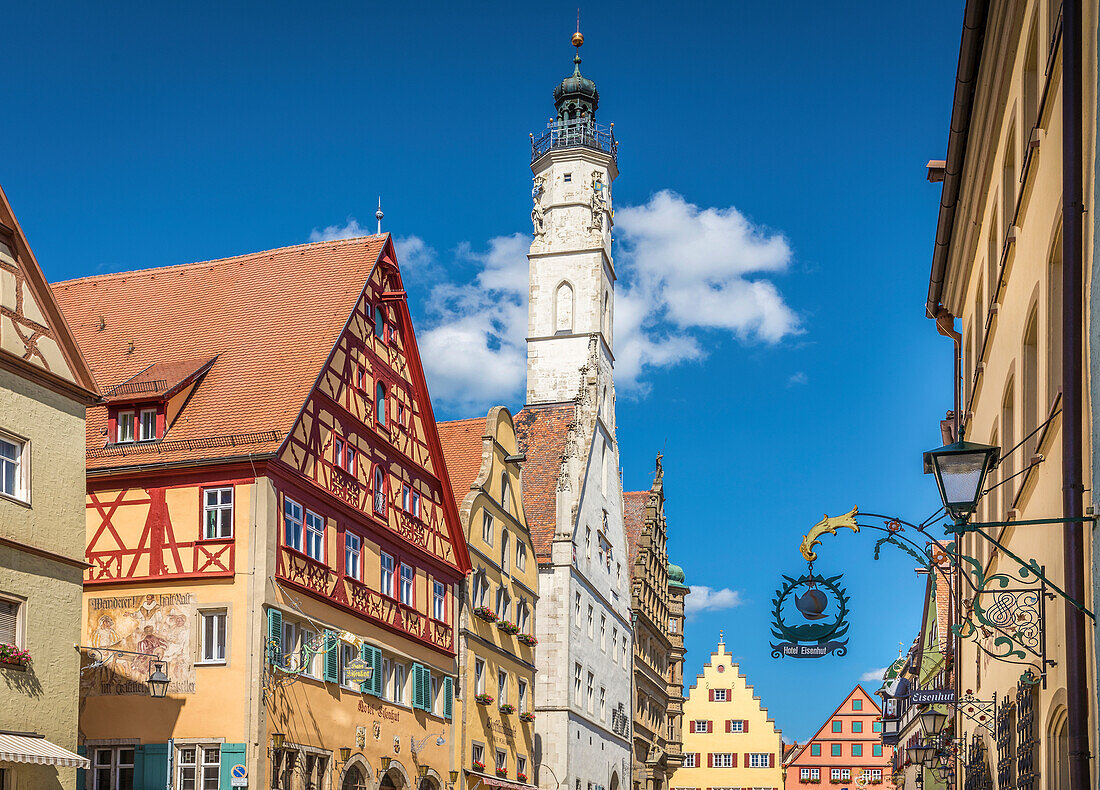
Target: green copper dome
676,576
576,94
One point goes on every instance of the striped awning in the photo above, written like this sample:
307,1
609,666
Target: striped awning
30,748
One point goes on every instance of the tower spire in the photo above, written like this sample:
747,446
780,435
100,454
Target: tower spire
378,215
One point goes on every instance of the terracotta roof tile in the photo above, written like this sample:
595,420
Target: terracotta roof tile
463,450
542,432
271,318
634,520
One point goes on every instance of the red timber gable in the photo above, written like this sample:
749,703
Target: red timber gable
854,725
366,441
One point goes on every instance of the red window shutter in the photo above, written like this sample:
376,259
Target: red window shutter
710,726
748,762
729,695
698,760
728,722
711,693
744,725
710,760
771,761
734,757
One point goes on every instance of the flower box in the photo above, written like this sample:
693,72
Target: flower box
486,614
484,699
508,628
527,717
527,639
479,766
502,772
507,709
521,777
13,656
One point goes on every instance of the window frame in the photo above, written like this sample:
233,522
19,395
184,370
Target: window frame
132,415
312,533
759,757
386,574
722,759
219,507
199,765
357,553
411,602
19,618
439,601
207,614
21,464
112,766
139,425
288,503
379,488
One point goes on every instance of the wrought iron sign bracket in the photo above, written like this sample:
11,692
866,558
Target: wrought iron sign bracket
982,712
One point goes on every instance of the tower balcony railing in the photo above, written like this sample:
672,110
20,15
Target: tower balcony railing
582,132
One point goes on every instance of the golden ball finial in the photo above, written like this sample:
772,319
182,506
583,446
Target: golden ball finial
578,39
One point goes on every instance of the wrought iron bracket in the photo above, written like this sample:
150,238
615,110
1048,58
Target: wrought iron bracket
980,711
99,660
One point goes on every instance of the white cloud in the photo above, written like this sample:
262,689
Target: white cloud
473,350
872,675
707,599
349,230
797,378
684,272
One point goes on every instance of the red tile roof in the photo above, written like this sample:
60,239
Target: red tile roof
159,380
634,520
463,451
542,432
271,318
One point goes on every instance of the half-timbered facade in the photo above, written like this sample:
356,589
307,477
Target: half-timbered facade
269,522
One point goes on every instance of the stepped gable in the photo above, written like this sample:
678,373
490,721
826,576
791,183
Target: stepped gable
271,320
543,434
464,453
748,686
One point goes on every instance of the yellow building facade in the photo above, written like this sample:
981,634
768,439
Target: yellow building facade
729,740
290,562
44,387
494,702
998,269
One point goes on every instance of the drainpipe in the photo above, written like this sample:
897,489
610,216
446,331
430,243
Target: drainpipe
945,325
1072,412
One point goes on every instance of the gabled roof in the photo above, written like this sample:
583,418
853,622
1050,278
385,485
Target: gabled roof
35,340
159,381
634,503
857,693
463,450
271,318
542,432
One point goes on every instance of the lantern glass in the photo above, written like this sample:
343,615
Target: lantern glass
960,470
345,753
922,754
932,721
158,681
277,740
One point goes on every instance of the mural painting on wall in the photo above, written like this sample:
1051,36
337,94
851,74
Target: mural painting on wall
157,625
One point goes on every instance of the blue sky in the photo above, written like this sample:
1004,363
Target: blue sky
794,134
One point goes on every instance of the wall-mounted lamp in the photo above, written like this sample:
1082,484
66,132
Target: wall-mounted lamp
345,753
454,776
385,763
422,770
278,740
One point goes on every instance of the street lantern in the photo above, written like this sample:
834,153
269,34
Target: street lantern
921,754
345,753
932,721
158,681
422,770
960,471
277,740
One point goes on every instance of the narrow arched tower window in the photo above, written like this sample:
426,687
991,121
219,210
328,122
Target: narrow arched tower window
563,309
380,403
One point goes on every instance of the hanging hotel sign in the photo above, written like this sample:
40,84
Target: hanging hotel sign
357,671
932,697
810,613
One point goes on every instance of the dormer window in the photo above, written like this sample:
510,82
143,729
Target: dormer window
147,425
125,427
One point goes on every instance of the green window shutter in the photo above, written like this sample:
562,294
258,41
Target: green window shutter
274,634
427,684
152,762
364,653
373,655
332,657
418,686
448,697
232,754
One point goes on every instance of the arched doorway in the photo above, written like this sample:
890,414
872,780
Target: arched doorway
354,779
614,781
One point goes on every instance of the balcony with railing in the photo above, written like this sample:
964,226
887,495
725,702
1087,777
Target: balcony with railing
579,133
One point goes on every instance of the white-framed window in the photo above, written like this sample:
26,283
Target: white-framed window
588,543
353,553
841,775
502,687
603,703
291,658
113,768
603,633
504,558
217,513
11,630
876,774
505,494
759,760
521,766
477,753
147,427
199,767
577,609
698,725
487,529
577,683
503,603
387,678
315,536
292,521
479,676
386,564
434,699
523,617
399,683
309,660
614,646
591,689
720,695
125,431
379,491
13,467
406,497
625,651
439,601
591,620
348,653
521,556
416,504
212,638
521,695
689,761
737,725
502,760
804,774
723,759
406,584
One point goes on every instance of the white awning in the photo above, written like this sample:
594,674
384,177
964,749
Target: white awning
29,748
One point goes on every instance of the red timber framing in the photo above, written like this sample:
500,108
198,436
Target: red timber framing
402,442
163,550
